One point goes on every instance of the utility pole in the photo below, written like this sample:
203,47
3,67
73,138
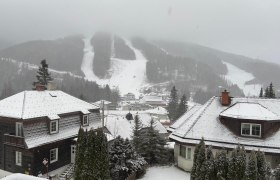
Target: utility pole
102,113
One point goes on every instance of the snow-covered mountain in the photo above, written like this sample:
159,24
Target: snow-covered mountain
137,65
126,75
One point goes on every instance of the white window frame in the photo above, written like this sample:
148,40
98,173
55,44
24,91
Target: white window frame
18,158
55,150
85,124
56,131
19,129
251,129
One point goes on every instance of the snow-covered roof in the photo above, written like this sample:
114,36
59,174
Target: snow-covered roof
18,176
99,103
157,110
246,110
33,104
185,116
152,98
117,124
204,122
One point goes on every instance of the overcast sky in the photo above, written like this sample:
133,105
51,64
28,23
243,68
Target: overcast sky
248,27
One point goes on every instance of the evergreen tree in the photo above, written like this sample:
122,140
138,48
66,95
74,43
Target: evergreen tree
182,108
252,170
221,165
261,166
7,90
173,104
267,95
102,155
43,76
271,91
210,165
152,146
195,159
124,160
200,163
137,138
241,162
129,116
232,169
91,157
79,171
261,93
276,173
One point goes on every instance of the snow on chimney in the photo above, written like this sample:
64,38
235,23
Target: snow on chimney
225,98
40,87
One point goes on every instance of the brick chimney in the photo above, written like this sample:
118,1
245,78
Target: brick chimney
225,98
40,87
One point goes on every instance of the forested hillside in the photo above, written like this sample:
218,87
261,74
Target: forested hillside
64,54
17,77
122,50
101,42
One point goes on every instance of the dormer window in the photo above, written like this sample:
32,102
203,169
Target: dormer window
250,129
85,120
54,126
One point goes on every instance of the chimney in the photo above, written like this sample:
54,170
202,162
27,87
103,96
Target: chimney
225,98
40,87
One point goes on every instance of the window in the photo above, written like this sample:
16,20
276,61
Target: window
183,151
85,120
19,129
53,155
189,153
18,158
54,126
251,129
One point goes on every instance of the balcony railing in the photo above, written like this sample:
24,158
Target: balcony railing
14,140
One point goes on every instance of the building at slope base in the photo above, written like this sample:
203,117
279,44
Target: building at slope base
226,122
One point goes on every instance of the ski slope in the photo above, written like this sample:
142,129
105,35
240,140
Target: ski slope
126,75
240,77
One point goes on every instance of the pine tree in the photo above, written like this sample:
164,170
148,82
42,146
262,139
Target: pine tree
137,138
195,159
266,94
173,104
221,165
7,90
182,108
276,173
241,162
232,169
261,93
102,155
210,165
251,170
200,163
43,76
129,116
261,166
153,146
271,91
124,160
79,171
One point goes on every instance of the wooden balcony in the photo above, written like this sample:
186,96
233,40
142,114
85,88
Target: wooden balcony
14,140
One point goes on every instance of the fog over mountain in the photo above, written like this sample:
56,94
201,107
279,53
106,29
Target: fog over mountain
247,27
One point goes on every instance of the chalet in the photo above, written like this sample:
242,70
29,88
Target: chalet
41,124
225,122
154,100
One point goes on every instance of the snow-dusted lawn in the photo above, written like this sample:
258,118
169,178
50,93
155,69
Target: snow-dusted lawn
166,173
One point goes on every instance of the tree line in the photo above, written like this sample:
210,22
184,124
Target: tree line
233,167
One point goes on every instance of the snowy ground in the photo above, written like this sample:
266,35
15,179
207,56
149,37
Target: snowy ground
127,75
240,77
166,173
